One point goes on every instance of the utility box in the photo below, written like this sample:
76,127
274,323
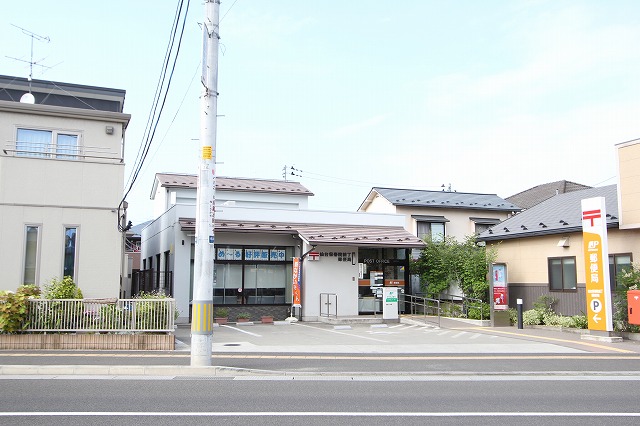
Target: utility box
633,302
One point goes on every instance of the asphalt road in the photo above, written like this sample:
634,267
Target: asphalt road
317,374
534,400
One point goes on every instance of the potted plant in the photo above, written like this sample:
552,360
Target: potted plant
267,319
243,316
221,315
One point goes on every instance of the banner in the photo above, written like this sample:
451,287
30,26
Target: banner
296,283
596,262
499,284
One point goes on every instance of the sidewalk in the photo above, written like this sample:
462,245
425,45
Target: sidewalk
411,338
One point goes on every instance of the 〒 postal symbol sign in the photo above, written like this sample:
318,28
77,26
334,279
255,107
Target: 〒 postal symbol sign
596,305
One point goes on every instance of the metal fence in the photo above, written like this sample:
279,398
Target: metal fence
427,308
102,315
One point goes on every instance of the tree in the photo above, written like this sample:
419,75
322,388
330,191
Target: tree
446,262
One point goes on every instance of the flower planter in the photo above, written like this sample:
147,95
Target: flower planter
243,320
221,320
267,319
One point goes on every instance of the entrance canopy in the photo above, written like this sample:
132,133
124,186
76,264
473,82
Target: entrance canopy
322,234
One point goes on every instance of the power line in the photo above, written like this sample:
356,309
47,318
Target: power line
160,98
342,181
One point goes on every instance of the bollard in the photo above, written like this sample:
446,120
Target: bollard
520,314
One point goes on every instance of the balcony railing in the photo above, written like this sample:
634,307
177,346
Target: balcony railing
101,315
63,152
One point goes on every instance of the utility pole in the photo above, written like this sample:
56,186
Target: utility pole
202,307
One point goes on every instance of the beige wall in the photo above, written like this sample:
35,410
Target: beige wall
58,193
526,258
380,205
459,225
629,184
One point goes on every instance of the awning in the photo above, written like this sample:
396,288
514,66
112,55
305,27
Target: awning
485,220
425,218
322,234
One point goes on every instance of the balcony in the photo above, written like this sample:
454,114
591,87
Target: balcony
61,152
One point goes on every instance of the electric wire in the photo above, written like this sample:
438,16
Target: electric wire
158,106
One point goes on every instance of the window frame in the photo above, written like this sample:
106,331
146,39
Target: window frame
38,227
53,149
76,250
439,236
563,288
613,273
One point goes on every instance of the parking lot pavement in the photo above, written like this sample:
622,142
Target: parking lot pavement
403,338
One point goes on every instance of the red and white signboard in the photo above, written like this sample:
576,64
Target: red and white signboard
596,261
499,284
314,255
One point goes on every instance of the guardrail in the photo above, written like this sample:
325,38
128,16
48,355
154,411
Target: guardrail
424,306
466,303
101,315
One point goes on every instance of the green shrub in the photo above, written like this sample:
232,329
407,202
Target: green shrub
474,312
29,290
531,317
14,308
513,315
545,303
555,320
221,312
62,289
580,321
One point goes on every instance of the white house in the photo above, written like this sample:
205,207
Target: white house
261,225
61,180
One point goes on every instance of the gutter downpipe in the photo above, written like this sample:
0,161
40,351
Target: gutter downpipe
313,247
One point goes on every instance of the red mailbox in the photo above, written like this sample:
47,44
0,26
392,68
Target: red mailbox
633,300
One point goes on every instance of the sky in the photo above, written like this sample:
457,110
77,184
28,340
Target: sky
492,96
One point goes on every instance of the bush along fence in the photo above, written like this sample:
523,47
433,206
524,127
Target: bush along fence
27,322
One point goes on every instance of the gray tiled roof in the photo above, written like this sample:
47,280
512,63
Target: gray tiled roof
322,234
537,194
223,183
444,199
559,214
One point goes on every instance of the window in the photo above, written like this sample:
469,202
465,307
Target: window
481,224
252,275
435,230
562,274
47,143
617,264
69,267
31,255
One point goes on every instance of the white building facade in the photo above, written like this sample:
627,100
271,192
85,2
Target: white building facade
261,226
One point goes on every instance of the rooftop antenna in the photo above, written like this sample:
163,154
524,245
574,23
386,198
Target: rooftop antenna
28,97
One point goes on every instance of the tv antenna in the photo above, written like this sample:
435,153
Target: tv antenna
31,62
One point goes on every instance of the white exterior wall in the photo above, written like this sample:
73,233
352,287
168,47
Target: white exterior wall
324,276
327,275
165,197
54,193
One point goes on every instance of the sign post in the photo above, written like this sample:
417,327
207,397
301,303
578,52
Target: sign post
596,261
390,303
499,284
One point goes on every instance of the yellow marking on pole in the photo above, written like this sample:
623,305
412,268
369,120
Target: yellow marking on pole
207,152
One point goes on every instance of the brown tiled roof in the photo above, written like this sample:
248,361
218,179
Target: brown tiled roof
325,234
234,184
532,196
